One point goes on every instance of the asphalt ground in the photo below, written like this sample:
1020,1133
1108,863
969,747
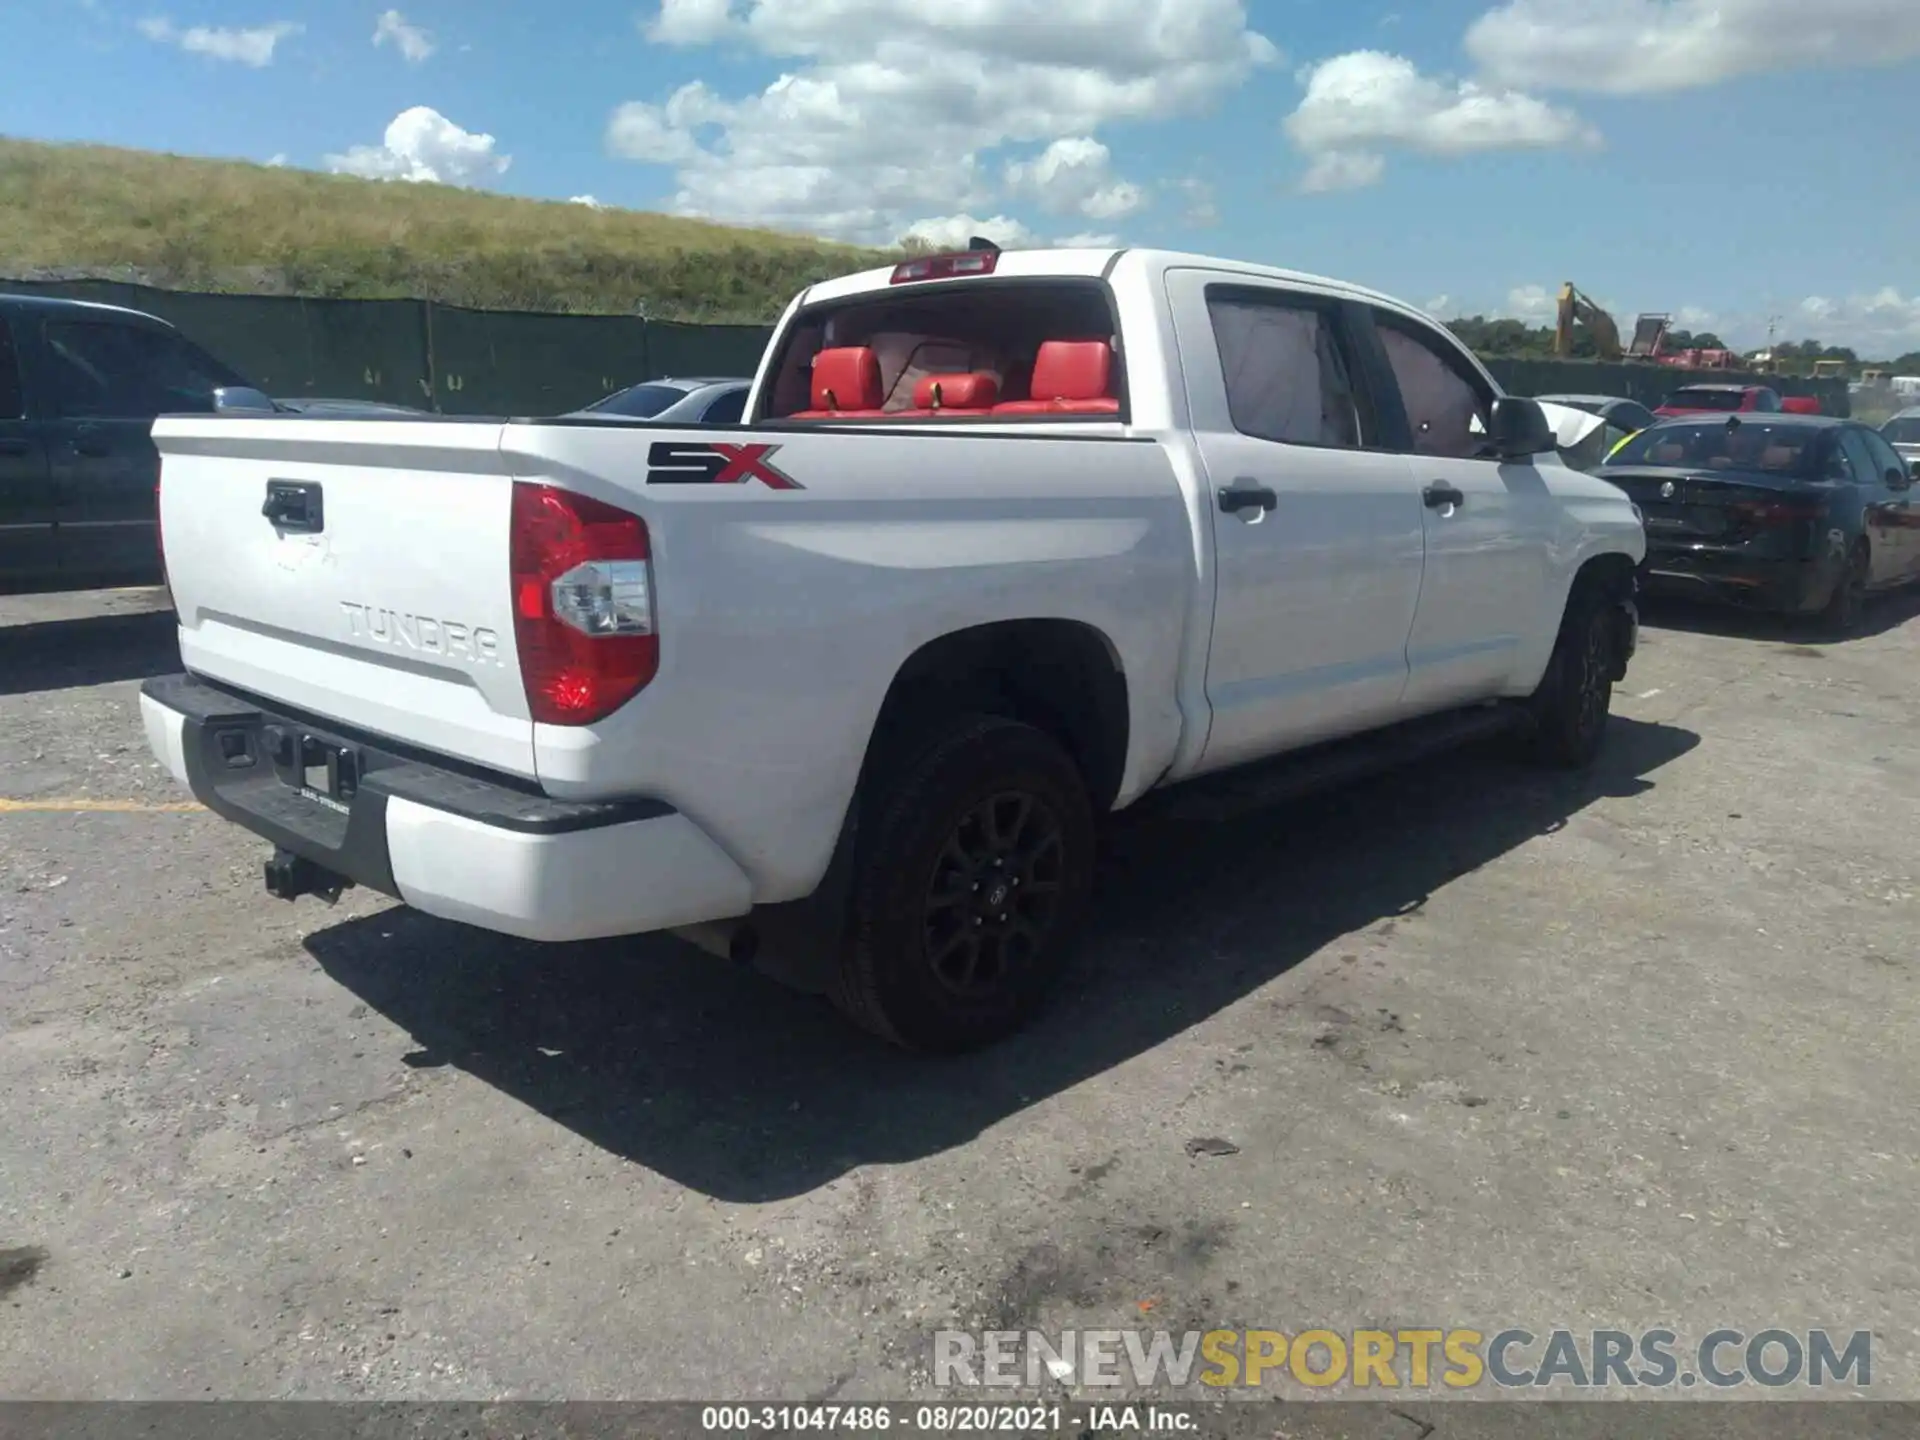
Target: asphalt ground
1480,1046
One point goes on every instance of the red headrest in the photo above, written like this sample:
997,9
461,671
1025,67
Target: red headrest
966,391
1072,370
847,378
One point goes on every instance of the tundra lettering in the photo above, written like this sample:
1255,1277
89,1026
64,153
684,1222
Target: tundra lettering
424,633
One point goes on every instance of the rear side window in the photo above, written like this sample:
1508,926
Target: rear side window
1447,403
12,398
1287,373
1884,455
1865,471
728,409
110,371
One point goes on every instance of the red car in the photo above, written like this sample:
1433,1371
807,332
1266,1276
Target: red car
1735,399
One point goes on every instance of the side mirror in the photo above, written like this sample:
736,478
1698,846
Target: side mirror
242,400
1898,479
1517,429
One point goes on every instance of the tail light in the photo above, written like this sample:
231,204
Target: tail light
582,604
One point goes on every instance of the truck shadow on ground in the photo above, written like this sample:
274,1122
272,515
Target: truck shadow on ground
742,1090
92,650
1884,612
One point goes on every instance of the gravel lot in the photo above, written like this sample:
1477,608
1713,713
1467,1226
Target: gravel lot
1494,1048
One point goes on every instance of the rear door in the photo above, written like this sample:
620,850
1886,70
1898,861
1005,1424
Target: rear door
104,386
1488,525
1902,517
1883,510
1317,529
27,550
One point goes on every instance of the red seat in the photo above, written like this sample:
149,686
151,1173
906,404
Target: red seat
1070,377
846,385
966,393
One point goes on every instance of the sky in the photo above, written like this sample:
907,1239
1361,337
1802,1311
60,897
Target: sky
1739,164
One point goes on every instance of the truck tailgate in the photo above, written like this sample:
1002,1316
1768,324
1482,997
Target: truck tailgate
376,592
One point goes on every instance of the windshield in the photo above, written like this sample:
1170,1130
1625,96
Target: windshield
1903,430
641,402
1706,399
1718,445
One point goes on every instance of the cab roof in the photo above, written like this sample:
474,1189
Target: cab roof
1084,263
12,300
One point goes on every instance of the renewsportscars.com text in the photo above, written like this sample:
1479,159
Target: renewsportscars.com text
1457,1359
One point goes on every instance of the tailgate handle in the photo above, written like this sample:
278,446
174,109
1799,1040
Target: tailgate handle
294,505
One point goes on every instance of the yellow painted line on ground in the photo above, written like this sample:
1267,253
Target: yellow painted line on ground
108,807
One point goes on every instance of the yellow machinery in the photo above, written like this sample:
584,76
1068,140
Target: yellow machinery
1575,306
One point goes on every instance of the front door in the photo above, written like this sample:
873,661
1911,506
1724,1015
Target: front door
1489,525
1901,517
1317,536
27,552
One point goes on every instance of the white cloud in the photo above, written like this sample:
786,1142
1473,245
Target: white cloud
253,46
1343,170
423,145
1628,46
587,200
1087,240
277,161
952,232
892,109
1692,317
689,22
414,43
1535,304
1359,103
1881,324
1439,305
1075,175
1201,212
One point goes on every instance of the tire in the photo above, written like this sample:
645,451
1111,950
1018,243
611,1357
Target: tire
1570,709
968,886
1842,613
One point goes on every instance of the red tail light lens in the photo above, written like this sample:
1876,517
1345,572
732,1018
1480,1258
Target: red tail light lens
582,604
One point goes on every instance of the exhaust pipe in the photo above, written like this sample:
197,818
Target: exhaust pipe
289,876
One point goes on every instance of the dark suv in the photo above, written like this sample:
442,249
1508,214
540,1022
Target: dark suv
80,385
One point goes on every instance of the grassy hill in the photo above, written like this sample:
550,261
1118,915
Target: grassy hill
189,224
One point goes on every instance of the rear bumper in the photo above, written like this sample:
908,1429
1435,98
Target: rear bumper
450,841
1757,582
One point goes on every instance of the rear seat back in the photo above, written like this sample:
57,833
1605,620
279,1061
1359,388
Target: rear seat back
846,384
1070,377
970,392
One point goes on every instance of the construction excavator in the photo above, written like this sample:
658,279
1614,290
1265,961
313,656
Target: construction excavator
1599,324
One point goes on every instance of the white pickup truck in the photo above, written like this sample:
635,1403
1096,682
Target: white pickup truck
1005,542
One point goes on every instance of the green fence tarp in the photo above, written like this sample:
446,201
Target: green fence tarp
493,362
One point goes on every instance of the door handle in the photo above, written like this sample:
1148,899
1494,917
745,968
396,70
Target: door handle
13,446
295,505
1441,493
1235,498
93,445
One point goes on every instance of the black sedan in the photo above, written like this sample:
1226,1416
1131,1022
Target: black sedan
1792,513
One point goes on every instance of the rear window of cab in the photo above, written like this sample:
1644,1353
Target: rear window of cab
1000,350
